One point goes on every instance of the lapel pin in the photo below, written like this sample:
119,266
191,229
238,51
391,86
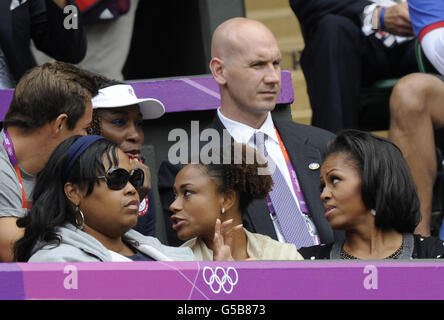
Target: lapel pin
314,166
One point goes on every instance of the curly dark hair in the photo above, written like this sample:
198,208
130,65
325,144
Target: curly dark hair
240,174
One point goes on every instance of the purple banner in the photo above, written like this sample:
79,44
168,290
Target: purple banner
5,101
11,282
301,280
178,95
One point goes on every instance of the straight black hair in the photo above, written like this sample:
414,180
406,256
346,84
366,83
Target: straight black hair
387,185
51,208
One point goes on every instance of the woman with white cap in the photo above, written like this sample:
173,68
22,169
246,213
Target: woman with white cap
118,115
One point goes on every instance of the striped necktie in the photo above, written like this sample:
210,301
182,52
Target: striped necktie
292,223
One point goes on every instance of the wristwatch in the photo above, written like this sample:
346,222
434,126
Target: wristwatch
375,18
370,18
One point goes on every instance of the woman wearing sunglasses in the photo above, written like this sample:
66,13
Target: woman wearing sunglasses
85,203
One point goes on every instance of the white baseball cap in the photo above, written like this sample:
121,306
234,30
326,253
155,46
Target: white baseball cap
122,95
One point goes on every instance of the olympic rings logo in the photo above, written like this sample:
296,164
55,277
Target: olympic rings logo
219,279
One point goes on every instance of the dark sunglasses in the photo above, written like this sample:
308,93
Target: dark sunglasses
117,178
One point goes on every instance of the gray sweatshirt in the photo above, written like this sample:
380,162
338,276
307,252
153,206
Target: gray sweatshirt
78,246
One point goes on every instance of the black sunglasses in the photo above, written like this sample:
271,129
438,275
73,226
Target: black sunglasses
117,178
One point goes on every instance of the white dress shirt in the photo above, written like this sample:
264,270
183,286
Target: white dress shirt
243,133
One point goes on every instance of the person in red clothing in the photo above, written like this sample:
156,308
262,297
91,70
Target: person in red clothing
349,45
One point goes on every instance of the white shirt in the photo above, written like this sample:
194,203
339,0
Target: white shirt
243,133
433,46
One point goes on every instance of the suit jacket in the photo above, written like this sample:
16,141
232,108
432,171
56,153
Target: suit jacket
41,21
309,12
305,145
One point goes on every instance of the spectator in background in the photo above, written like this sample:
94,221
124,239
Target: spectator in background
223,190
43,22
350,44
50,103
428,23
367,191
118,116
246,65
109,43
108,35
416,105
164,28
85,204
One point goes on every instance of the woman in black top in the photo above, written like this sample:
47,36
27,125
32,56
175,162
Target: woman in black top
368,192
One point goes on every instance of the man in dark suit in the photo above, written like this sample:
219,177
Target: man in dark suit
246,65
346,49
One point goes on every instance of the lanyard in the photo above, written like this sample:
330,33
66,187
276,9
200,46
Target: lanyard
9,147
293,178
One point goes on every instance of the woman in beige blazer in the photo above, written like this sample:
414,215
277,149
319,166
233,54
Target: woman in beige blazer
222,190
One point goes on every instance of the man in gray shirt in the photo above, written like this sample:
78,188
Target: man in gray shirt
51,103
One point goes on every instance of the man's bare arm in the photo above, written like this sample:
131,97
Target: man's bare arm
9,234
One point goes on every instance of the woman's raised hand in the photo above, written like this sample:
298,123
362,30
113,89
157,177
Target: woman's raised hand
223,235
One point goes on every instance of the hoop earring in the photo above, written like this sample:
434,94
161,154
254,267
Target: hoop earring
82,219
223,210
373,212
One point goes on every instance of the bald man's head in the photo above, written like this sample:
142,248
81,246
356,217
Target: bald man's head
233,33
246,64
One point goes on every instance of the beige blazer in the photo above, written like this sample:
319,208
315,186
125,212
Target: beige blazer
259,246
